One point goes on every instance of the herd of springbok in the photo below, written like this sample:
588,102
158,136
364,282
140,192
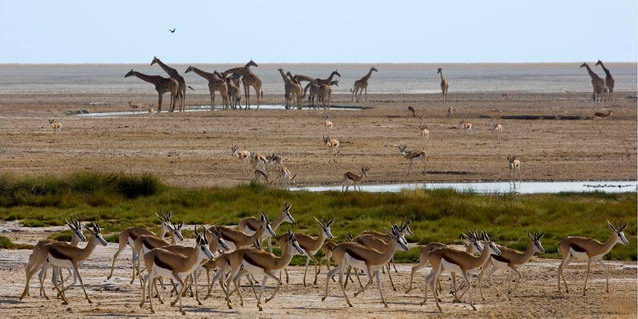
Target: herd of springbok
234,253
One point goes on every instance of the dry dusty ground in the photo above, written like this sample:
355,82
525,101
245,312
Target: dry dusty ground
193,149
536,296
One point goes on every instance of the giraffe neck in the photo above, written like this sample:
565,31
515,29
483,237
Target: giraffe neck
605,69
441,73
329,79
367,76
170,71
205,75
147,78
283,76
591,73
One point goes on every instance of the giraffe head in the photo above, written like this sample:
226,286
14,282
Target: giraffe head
583,65
190,68
251,63
599,63
155,60
130,73
336,72
374,69
439,70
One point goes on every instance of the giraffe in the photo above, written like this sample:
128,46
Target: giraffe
248,79
215,83
233,93
298,90
292,88
609,80
444,85
181,89
596,82
362,85
321,84
162,85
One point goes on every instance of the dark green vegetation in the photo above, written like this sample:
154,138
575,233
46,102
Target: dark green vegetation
119,201
6,243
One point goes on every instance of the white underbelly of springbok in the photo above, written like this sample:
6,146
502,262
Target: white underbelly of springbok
253,269
62,263
450,267
351,261
499,264
579,255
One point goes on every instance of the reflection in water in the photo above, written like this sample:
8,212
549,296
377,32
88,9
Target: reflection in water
496,187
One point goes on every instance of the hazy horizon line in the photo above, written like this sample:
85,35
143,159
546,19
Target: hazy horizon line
308,63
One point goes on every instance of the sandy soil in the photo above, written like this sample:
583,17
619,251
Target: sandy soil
535,297
193,149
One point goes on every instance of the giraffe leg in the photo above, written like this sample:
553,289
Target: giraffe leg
159,102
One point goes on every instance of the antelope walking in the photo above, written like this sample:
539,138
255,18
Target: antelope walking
511,259
259,174
514,167
589,249
56,126
238,239
358,256
332,145
161,263
244,156
466,126
354,178
444,85
403,229
250,225
145,243
310,246
452,260
128,236
63,255
259,262
413,155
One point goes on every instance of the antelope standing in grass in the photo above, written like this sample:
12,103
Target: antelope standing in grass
332,145
145,243
258,262
136,107
472,247
511,259
327,123
250,225
76,236
161,263
589,249
310,246
128,236
243,155
514,167
466,126
56,126
452,260
352,254
63,255
413,155
238,239
355,179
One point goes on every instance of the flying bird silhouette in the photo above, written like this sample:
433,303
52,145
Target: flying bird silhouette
172,31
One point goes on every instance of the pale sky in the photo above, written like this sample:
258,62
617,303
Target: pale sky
294,31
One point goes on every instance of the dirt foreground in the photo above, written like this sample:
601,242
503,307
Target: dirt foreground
536,296
193,149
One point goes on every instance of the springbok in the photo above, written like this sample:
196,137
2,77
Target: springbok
510,259
589,249
76,236
332,146
466,126
259,174
376,244
412,111
161,263
472,247
128,236
257,160
136,107
352,254
310,246
354,178
514,166
326,252
150,111
403,229
244,156
328,124
259,262
449,112
238,239
63,255
250,225
413,155
56,126
145,243
423,131
602,115
498,129
456,261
